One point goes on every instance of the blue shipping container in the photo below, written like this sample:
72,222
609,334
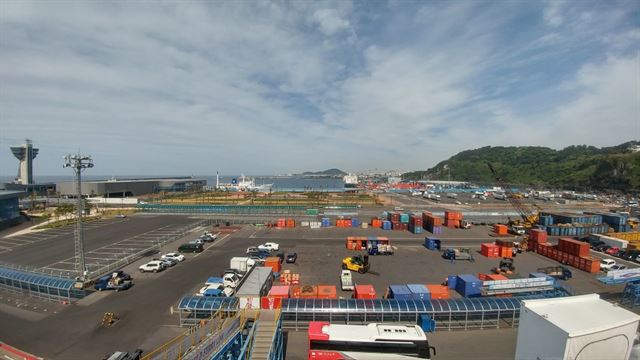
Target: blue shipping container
426,323
419,292
468,285
400,292
386,225
451,281
404,218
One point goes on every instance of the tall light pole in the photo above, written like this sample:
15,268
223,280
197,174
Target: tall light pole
78,163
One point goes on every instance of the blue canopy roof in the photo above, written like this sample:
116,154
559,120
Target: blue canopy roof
405,306
7,275
208,303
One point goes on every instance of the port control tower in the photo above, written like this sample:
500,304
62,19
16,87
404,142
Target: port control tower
25,153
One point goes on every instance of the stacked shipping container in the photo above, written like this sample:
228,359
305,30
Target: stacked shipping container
431,223
571,252
452,219
415,224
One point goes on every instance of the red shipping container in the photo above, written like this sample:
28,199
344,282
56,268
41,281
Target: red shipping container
270,302
574,247
496,277
397,225
280,291
364,292
538,235
304,292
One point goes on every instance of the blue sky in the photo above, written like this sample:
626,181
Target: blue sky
275,87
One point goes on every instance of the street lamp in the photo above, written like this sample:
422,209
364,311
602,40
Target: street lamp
79,163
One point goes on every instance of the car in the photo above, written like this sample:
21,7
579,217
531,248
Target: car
398,208
631,255
173,255
271,246
197,241
620,253
190,248
168,262
152,266
259,254
602,248
607,264
595,244
206,238
252,249
612,251
292,257
233,271
121,216
618,267
113,282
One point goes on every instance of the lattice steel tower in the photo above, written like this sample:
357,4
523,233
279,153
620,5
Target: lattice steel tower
78,163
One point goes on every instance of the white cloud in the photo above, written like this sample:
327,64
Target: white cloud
329,21
267,88
553,13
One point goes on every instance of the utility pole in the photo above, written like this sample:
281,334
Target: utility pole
78,163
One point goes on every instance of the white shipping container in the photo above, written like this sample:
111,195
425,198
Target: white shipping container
304,223
575,328
611,241
239,263
257,284
365,225
314,224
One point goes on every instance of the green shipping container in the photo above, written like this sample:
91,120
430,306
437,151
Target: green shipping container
311,212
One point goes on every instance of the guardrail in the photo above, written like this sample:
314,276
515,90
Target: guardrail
70,274
144,252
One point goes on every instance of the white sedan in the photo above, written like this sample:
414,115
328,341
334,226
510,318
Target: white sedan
270,246
176,256
152,266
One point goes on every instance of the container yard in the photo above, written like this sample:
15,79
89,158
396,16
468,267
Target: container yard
404,253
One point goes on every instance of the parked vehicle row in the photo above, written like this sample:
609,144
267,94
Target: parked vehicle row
600,246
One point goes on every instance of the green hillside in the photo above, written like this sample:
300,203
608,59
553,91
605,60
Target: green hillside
575,167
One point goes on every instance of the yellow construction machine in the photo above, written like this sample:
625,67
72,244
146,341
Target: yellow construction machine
356,263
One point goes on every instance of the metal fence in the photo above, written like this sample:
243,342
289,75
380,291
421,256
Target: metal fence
161,241
224,209
25,284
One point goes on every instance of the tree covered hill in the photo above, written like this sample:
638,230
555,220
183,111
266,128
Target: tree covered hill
575,167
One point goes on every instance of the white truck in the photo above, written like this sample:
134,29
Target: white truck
231,280
346,281
240,263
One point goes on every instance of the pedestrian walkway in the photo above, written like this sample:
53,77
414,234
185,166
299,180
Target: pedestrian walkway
265,332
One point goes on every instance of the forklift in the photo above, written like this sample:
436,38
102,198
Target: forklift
505,267
357,263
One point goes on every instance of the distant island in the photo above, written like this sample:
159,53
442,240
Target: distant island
326,173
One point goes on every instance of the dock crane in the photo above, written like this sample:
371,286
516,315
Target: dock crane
529,217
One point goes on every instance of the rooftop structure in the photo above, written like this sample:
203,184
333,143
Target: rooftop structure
131,187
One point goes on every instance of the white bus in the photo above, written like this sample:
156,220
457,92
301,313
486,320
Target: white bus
371,342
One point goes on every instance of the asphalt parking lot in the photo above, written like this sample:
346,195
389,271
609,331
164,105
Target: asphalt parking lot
105,241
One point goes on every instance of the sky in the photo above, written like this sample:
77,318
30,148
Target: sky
260,87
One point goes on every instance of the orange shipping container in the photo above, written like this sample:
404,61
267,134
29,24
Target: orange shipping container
505,252
438,291
327,292
274,263
364,292
489,250
304,292
500,229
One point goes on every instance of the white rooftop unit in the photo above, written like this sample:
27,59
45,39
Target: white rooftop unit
257,284
575,328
